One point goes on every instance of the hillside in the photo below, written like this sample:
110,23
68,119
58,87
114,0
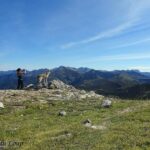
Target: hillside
31,120
109,83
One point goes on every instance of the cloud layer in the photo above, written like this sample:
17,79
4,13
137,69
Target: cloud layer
136,8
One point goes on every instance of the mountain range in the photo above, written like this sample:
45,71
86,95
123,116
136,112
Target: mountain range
119,83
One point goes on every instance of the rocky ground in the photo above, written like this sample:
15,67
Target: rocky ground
63,117
57,90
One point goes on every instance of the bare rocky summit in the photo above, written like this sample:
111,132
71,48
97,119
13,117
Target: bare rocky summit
57,90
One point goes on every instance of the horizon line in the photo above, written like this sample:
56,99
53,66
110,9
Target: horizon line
138,68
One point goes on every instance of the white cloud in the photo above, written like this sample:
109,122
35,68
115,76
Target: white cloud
141,68
5,67
135,10
105,34
131,44
122,57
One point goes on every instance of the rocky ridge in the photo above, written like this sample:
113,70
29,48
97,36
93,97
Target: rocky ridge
57,90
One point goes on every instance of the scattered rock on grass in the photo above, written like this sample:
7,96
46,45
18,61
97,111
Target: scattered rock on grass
62,113
106,103
1,105
63,136
98,127
87,122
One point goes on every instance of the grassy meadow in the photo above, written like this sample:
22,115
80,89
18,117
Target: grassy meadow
37,126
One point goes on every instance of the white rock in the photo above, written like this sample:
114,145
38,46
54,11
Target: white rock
83,92
87,121
83,96
1,105
87,124
92,93
106,103
62,113
99,127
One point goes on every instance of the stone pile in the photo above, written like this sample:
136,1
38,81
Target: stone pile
57,90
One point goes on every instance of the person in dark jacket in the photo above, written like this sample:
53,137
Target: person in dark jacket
20,73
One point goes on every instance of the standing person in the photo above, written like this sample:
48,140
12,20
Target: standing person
20,73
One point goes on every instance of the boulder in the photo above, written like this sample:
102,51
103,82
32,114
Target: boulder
106,103
82,92
62,113
1,105
92,93
57,84
87,122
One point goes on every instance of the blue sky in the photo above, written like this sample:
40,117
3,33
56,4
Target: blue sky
100,34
